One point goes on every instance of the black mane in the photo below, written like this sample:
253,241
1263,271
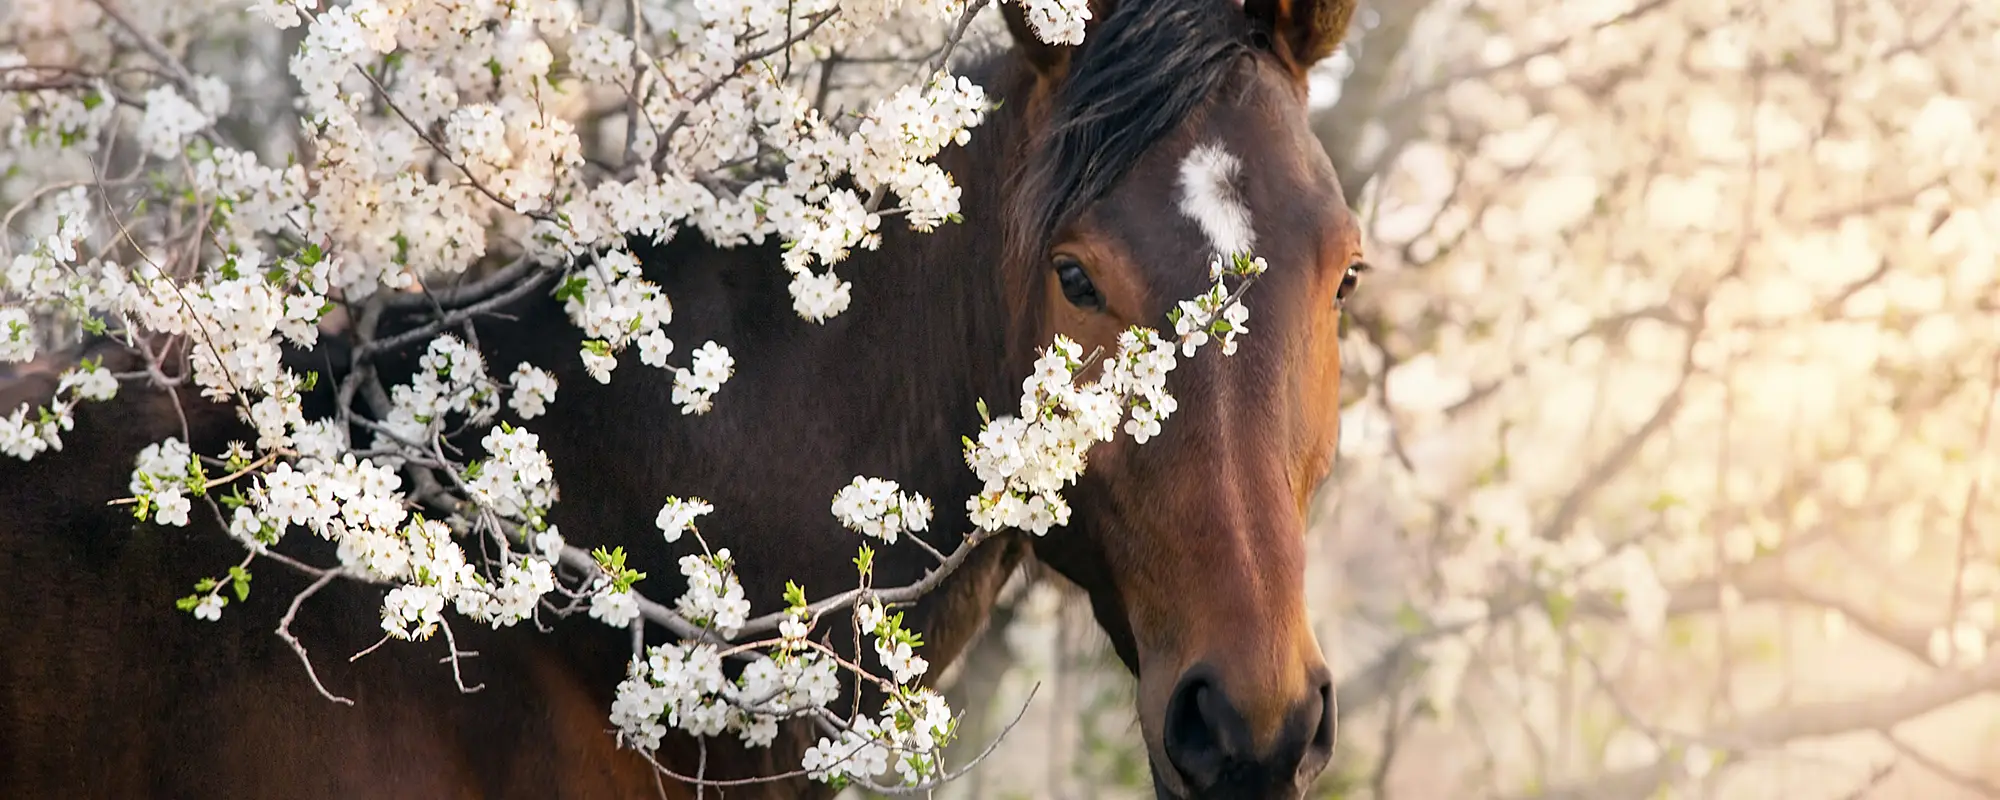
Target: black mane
1138,75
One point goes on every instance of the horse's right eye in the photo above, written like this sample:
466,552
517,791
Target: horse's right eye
1076,285
1350,280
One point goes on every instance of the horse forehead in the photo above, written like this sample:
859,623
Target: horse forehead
1209,192
1247,188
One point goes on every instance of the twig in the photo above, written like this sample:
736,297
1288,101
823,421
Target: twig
515,292
451,641
178,73
661,147
285,633
1967,782
1796,722
635,102
253,467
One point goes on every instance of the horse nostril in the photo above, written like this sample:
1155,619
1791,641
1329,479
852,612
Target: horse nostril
1329,721
1199,729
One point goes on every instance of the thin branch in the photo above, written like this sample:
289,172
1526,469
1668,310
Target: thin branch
1969,783
285,633
457,317
1815,720
1600,474
253,466
177,71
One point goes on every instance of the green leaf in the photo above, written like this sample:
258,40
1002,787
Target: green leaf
239,581
197,477
864,560
572,289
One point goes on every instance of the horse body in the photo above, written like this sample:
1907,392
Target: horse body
107,691
1189,547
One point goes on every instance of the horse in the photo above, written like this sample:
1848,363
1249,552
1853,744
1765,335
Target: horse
1092,198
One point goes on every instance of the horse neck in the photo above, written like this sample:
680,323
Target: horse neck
884,389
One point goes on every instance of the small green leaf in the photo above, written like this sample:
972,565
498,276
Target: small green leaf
239,580
572,289
864,560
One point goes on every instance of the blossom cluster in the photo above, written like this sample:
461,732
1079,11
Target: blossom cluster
874,507
915,722
1025,461
682,687
914,725
24,434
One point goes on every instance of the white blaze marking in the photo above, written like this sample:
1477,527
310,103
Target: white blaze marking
1208,196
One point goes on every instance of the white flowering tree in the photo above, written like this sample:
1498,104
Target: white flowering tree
1670,465
207,183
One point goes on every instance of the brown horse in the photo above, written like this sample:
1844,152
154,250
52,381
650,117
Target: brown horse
1093,198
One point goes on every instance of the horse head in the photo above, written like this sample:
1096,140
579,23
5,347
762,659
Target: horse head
1177,132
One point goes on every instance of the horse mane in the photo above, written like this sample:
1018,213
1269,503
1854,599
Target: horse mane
1137,77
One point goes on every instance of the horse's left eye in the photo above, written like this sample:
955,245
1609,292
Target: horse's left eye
1076,285
1350,280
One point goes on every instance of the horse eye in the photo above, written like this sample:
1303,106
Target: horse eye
1076,286
1350,280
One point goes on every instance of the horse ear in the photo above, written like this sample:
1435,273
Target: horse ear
1309,29
1050,60
1047,59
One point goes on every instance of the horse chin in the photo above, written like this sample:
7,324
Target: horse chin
1161,783
1166,787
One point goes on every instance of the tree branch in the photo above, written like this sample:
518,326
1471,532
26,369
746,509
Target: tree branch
1783,725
